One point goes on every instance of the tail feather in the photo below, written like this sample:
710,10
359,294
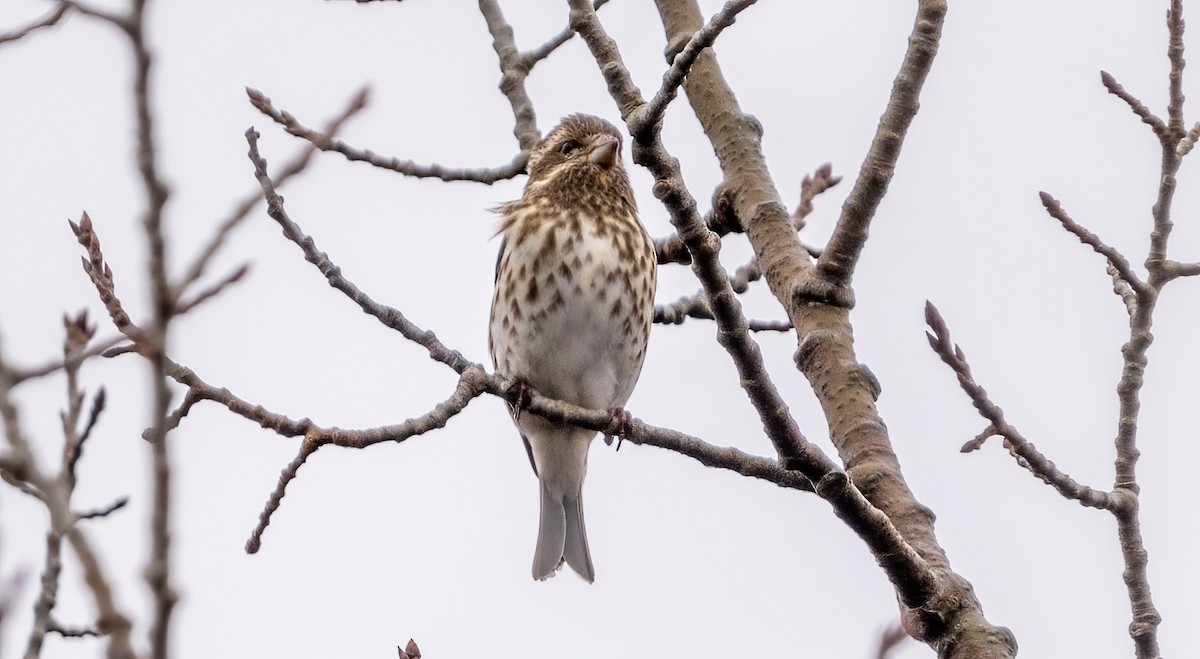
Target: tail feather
576,550
561,537
552,536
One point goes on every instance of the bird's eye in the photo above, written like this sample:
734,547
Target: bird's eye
569,146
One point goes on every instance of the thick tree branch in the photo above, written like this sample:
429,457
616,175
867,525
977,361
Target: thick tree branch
915,583
952,620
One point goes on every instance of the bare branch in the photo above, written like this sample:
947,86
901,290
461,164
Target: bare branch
909,572
704,246
122,23
243,208
1110,83
470,386
105,511
1189,141
1123,289
18,465
387,315
531,57
810,188
696,305
20,375
407,167
890,639
1039,464
841,253
514,69
1175,55
213,290
46,21
645,119
73,632
1115,258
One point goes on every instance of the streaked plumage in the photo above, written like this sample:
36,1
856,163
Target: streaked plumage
571,313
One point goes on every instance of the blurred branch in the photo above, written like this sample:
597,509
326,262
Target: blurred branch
890,639
1028,455
212,291
326,142
46,21
242,209
19,467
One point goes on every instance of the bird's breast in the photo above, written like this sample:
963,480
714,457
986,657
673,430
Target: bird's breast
573,305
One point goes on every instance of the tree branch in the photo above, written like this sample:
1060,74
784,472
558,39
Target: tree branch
1110,83
1022,449
1115,258
645,119
849,237
46,21
326,142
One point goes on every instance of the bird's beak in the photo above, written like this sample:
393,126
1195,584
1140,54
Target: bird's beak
604,151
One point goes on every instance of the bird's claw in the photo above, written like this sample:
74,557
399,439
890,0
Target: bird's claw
622,419
523,393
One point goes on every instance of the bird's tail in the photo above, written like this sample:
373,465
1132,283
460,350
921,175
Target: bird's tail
562,536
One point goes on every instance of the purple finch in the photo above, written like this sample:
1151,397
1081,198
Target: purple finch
571,313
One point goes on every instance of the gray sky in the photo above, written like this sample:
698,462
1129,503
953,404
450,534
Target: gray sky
433,538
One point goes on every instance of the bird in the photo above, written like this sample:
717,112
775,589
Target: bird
571,313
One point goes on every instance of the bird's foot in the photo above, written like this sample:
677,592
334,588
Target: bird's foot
522,393
622,419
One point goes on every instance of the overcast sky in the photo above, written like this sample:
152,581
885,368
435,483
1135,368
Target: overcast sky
433,538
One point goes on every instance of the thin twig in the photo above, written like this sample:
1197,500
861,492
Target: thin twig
810,188
242,209
650,114
326,142
213,290
105,511
46,21
532,56
1039,464
1110,83
1115,258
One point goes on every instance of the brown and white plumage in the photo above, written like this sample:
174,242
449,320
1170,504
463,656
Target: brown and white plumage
571,313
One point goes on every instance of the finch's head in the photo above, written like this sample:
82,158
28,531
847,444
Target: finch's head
581,155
